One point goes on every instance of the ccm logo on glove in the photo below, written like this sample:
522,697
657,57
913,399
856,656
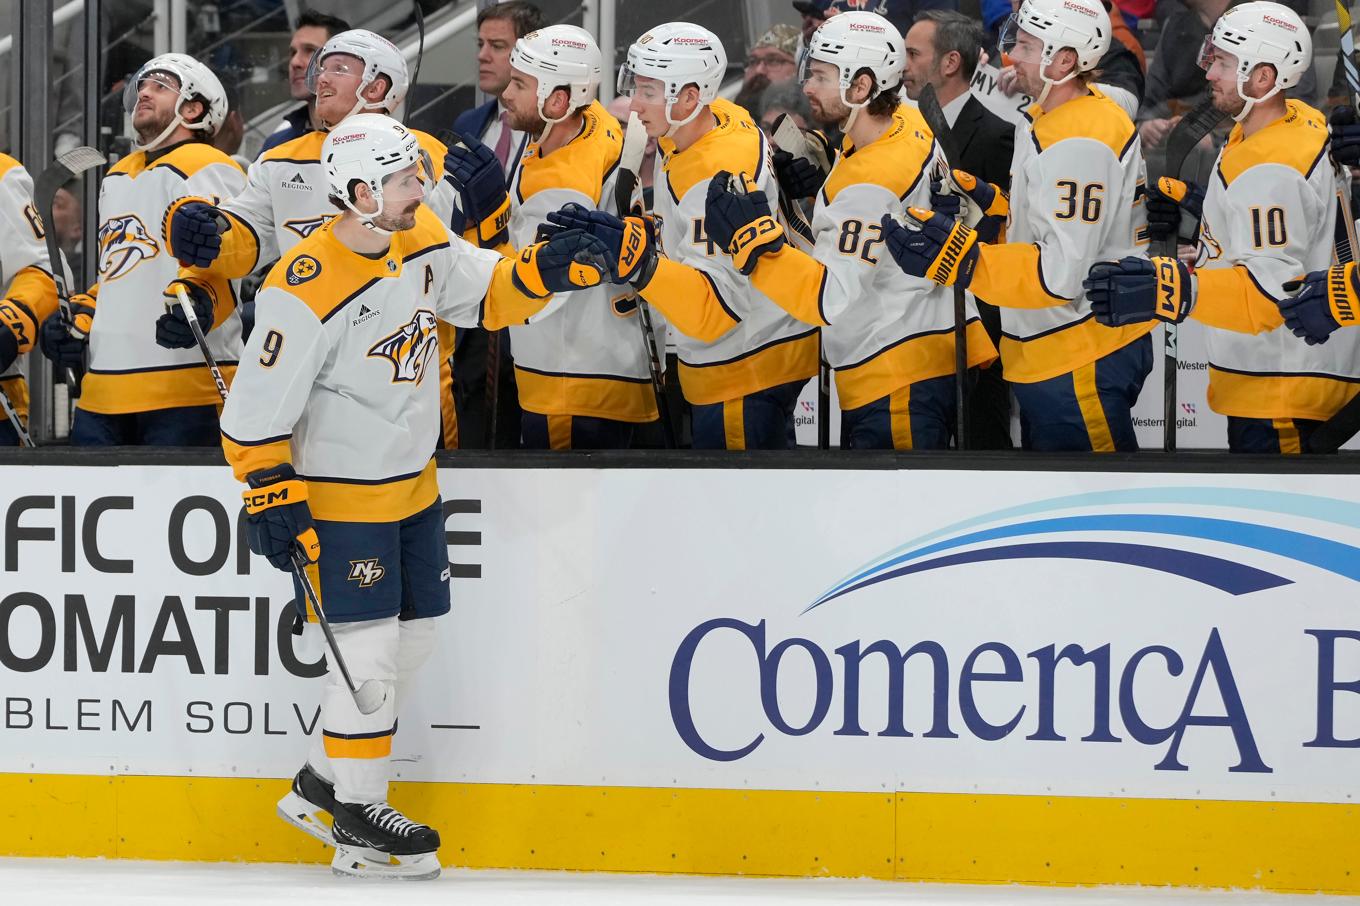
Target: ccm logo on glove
1169,283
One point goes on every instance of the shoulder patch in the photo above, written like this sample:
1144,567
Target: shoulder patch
894,161
191,157
303,268
303,149
1091,116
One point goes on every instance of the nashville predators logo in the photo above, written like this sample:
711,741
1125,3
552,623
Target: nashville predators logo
306,226
303,268
409,349
1209,247
366,572
123,244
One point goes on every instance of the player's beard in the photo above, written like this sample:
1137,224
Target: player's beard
1227,100
151,125
405,219
831,114
530,123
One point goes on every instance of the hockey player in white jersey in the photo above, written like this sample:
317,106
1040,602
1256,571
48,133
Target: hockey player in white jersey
1076,198
889,336
743,361
580,366
332,422
1269,215
30,294
285,195
146,381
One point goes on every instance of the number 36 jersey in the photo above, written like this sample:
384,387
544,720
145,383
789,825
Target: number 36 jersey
1269,214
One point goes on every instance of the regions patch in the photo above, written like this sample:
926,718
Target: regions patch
303,268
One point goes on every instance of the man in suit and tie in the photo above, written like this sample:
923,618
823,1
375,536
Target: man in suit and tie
943,48
476,354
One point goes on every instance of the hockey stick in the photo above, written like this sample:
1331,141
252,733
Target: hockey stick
630,163
935,119
13,415
187,307
790,138
60,172
420,56
368,697
1188,132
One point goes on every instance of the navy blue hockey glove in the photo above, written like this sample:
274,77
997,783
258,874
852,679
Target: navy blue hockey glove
990,208
476,175
13,331
1174,209
172,328
1132,290
572,259
798,177
278,521
195,233
1345,133
737,217
939,249
65,343
630,241
1326,300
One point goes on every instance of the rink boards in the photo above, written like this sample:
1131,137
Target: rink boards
1051,676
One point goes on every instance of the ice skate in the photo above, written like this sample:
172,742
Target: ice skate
377,841
309,804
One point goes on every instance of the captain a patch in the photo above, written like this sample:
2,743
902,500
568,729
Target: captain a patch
303,268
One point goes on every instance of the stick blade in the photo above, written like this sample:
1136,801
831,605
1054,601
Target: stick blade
83,158
634,144
1189,132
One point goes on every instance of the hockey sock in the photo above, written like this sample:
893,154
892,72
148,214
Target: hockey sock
358,745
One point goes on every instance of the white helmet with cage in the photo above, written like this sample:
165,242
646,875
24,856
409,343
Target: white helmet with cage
192,81
1260,33
379,56
852,42
1080,25
676,54
560,56
369,147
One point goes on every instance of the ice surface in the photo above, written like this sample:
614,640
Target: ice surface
97,882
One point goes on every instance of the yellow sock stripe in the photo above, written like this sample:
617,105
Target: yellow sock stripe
1092,412
734,423
899,417
559,432
358,745
1289,435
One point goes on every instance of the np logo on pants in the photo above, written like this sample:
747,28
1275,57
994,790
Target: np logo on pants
366,572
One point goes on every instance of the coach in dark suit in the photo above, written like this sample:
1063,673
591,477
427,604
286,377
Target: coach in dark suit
942,50
498,27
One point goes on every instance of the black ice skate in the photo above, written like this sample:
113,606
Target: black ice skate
309,804
377,841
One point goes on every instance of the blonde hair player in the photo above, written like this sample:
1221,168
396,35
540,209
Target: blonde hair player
332,422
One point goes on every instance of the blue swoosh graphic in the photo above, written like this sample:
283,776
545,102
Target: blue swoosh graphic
1333,556
1225,575
1323,509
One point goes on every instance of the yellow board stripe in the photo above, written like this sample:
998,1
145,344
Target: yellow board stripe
1092,411
1052,840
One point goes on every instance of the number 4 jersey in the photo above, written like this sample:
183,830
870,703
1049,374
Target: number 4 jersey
1269,215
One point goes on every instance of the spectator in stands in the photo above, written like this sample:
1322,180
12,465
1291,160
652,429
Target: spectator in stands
498,28
943,49
1175,80
814,14
772,61
68,220
784,97
310,32
233,129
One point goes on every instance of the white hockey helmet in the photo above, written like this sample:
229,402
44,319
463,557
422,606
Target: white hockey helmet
369,147
1261,33
1082,25
380,57
192,80
676,54
560,56
855,41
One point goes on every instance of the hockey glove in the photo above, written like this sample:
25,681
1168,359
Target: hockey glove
1345,136
572,259
988,211
172,328
630,241
9,345
194,230
798,177
1174,209
278,520
1326,300
738,220
64,343
937,249
1132,290
476,175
